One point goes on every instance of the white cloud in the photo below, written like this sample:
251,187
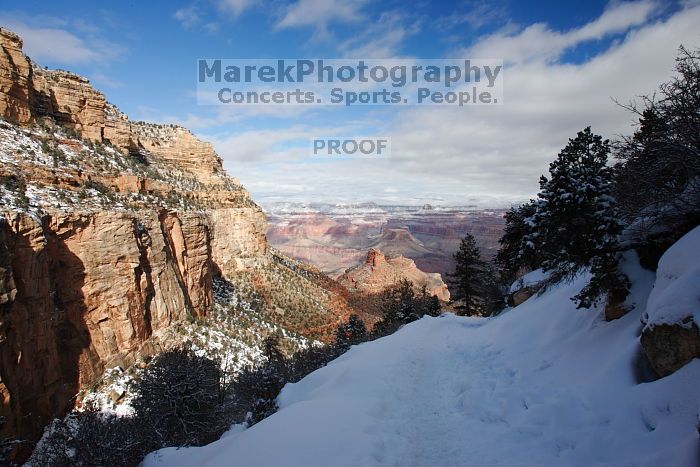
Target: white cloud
503,150
494,153
45,39
381,39
539,42
319,14
288,145
474,14
188,16
236,7
191,17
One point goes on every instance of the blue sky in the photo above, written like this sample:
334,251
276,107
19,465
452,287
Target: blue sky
565,61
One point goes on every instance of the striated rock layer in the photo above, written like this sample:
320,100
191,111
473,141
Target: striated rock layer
29,93
82,292
111,231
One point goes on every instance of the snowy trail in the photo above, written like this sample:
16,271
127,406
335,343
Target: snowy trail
543,384
457,389
424,424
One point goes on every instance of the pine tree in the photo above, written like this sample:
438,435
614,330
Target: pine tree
514,255
471,279
576,224
179,395
271,349
351,332
268,380
428,304
399,305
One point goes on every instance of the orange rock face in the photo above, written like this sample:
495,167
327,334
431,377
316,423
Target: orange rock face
177,147
29,92
88,291
82,292
379,272
70,100
15,79
238,239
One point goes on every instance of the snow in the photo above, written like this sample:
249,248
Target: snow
115,381
675,298
541,384
529,279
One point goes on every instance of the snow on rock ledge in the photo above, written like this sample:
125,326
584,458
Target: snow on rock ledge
671,337
525,287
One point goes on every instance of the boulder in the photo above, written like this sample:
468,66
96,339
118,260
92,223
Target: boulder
669,347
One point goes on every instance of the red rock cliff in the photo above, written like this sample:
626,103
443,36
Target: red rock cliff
90,286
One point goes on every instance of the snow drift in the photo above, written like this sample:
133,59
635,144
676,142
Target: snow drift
675,298
542,384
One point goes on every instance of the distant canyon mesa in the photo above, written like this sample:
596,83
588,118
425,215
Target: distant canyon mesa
337,237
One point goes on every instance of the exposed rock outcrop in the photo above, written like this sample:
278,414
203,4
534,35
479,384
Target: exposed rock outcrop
177,146
69,100
238,239
379,272
91,284
29,92
87,292
671,334
82,292
15,79
521,295
669,347
616,306
337,237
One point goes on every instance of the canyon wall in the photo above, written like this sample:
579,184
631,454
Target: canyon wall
29,93
91,286
83,292
86,292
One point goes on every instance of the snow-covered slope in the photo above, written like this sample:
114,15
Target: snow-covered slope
542,384
676,295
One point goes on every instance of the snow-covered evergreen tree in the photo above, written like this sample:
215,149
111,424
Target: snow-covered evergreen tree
514,255
576,224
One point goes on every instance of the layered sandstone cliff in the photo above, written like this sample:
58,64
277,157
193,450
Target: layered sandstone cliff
111,231
379,272
29,93
87,292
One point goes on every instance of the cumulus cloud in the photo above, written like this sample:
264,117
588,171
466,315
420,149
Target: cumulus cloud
47,39
498,152
319,14
236,7
539,42
503,150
